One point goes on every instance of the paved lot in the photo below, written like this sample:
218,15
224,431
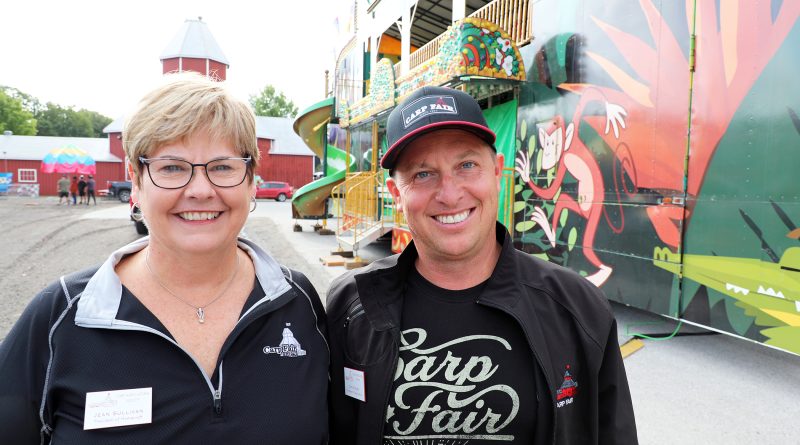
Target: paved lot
708,389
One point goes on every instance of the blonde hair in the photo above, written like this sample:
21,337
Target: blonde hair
185,104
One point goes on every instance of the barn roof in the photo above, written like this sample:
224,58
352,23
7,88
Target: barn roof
36,147
285,140
194,40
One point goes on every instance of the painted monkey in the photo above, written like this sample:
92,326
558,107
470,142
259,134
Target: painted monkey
565,152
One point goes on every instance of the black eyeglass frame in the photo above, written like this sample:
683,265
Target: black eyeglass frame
146,162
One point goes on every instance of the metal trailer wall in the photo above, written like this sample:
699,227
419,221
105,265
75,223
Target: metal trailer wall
658,157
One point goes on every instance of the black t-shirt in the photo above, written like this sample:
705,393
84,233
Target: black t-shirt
466,374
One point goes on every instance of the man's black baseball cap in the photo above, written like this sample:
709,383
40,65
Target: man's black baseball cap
429,109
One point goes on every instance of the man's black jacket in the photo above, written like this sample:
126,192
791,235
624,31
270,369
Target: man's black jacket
567,321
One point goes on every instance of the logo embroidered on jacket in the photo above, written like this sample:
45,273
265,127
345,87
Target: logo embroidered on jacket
567,391
288,347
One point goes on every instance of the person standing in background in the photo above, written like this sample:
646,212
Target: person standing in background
82,190
63,189
90,184
73,190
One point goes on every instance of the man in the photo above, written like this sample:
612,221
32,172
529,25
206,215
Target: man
73,190
63,189
90,185
82,190
461,338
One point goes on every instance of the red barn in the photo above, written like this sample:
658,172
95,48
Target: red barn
284,156
23,155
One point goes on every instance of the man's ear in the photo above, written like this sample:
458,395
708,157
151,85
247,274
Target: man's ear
392,186
498,168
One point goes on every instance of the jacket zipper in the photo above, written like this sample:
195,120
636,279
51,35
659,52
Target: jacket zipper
357,311
218,402
538,361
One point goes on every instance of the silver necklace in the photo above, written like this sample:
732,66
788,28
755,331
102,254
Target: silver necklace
199,310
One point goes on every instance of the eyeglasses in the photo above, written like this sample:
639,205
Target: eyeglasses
169,173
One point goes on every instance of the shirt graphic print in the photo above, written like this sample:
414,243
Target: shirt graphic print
464,376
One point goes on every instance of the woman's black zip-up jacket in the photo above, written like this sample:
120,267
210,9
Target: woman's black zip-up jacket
567,321
86,333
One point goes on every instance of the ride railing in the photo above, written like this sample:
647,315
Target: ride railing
512,16
362,209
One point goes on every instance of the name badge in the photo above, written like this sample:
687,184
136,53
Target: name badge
354,384
106,409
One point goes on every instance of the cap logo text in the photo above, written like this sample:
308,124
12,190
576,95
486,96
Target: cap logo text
428,105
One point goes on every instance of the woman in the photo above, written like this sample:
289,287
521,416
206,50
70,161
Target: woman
192,335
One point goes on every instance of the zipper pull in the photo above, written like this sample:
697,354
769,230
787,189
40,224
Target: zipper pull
218,401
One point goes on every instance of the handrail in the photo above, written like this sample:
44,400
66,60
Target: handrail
512,16
363,205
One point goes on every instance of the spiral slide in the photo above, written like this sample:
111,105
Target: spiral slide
312,126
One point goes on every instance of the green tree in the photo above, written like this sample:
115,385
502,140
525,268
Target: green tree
270,102
14,117
28,102
56,120
98,122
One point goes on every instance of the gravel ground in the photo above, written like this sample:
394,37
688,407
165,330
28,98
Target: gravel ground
41,241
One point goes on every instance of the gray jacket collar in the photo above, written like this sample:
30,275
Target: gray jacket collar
100,300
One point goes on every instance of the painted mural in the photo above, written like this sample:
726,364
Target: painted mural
659,145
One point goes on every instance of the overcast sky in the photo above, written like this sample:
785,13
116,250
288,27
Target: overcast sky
104,55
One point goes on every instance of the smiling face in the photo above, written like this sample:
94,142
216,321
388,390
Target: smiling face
200,217
447,184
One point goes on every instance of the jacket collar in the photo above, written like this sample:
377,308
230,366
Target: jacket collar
382,288
100,299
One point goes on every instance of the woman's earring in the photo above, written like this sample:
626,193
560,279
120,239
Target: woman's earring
255,204
136,212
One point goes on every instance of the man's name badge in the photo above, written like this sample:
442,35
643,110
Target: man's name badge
106,409
354,384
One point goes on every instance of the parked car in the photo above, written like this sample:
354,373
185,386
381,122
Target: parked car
120,189
276,190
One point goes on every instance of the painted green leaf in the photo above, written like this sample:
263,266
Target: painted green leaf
519,205
573,237
563,217
558,193
526,194
539,161
551,174
523,129
541,256
517,188
524,226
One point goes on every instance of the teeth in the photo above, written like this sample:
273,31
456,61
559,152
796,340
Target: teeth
770,291
736,289
453,219
199,216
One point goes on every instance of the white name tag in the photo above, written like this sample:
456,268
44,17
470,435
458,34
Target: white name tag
354,384
106,409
